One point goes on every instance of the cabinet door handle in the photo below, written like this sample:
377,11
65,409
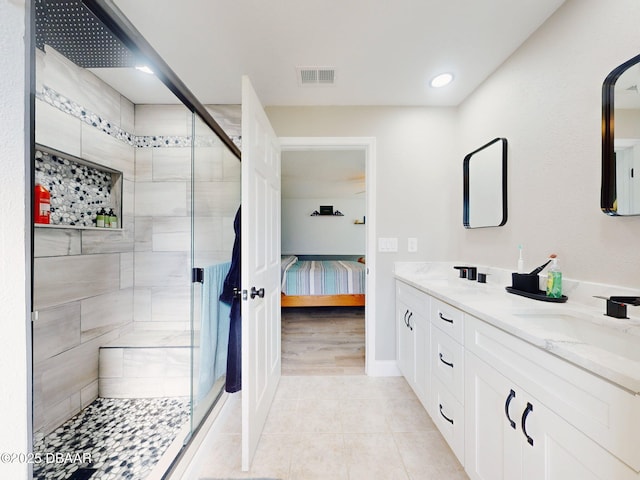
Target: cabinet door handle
409,321
523,424
448,320
450,420
445,362
511,396
405,317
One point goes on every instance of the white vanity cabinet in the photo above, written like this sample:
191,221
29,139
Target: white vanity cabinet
513,434
511,409
413,334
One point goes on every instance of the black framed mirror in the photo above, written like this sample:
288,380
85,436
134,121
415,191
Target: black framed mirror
485,185
620,192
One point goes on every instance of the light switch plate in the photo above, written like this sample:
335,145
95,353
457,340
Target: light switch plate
412,245
387,244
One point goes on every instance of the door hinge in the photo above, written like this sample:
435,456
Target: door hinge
34,315
197,275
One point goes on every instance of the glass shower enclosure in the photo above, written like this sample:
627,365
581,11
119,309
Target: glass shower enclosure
129,340
215,197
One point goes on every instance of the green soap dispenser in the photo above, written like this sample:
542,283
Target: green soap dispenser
554,280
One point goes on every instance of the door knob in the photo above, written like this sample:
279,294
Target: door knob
257,293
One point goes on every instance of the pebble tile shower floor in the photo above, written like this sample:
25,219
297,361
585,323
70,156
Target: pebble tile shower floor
123,438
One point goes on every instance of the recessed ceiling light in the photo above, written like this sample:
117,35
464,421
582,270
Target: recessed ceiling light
145,69
441,80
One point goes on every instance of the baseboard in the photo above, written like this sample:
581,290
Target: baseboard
383,368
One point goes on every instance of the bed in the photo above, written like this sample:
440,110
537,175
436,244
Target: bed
322,283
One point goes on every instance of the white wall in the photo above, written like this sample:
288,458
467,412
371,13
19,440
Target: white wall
546,100
303,234
415,183
14,401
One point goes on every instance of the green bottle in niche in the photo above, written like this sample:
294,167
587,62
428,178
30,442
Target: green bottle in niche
107,219
113,220
100,218
554,280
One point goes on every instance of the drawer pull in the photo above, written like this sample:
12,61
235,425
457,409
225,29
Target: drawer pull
511,396
450,420
525,414
448,320
445,362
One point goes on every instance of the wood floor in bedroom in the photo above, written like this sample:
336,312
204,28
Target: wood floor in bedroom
323,341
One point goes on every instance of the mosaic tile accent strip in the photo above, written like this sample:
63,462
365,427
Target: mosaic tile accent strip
53,98
117,438
62,103
77,191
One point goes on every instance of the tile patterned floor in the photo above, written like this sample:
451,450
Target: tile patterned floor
123,438
334,428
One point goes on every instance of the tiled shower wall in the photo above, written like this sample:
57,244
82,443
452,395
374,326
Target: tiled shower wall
83,279
91,286
163,209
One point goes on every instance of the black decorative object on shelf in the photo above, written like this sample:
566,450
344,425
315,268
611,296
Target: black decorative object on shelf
327,210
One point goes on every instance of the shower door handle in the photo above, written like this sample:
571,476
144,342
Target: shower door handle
197,275
257,293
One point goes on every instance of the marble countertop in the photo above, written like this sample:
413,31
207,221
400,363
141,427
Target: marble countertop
577,331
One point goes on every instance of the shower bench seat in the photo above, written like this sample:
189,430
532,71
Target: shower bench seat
146,364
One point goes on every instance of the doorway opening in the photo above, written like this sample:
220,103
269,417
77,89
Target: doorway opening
337,174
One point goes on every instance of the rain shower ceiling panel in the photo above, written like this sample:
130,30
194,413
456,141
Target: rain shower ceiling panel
75,32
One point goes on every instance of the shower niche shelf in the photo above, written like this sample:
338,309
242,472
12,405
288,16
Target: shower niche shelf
78,188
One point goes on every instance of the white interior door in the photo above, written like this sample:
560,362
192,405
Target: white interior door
260,270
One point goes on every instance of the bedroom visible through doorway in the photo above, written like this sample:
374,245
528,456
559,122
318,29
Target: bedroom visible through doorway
325,206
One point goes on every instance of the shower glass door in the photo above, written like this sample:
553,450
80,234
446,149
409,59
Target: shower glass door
215,197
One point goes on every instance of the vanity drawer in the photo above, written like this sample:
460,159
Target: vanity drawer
448,319
447,360
416,300
448,415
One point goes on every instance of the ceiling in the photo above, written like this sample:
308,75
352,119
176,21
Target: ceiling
383,52
627,89
323,173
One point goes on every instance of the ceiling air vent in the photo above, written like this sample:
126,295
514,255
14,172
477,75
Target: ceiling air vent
316,76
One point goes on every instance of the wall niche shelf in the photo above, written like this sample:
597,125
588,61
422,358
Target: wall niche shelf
76,227
336,214
78,188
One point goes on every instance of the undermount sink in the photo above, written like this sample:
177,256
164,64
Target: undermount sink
574,326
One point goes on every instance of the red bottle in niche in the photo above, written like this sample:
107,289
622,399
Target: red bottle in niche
42,205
